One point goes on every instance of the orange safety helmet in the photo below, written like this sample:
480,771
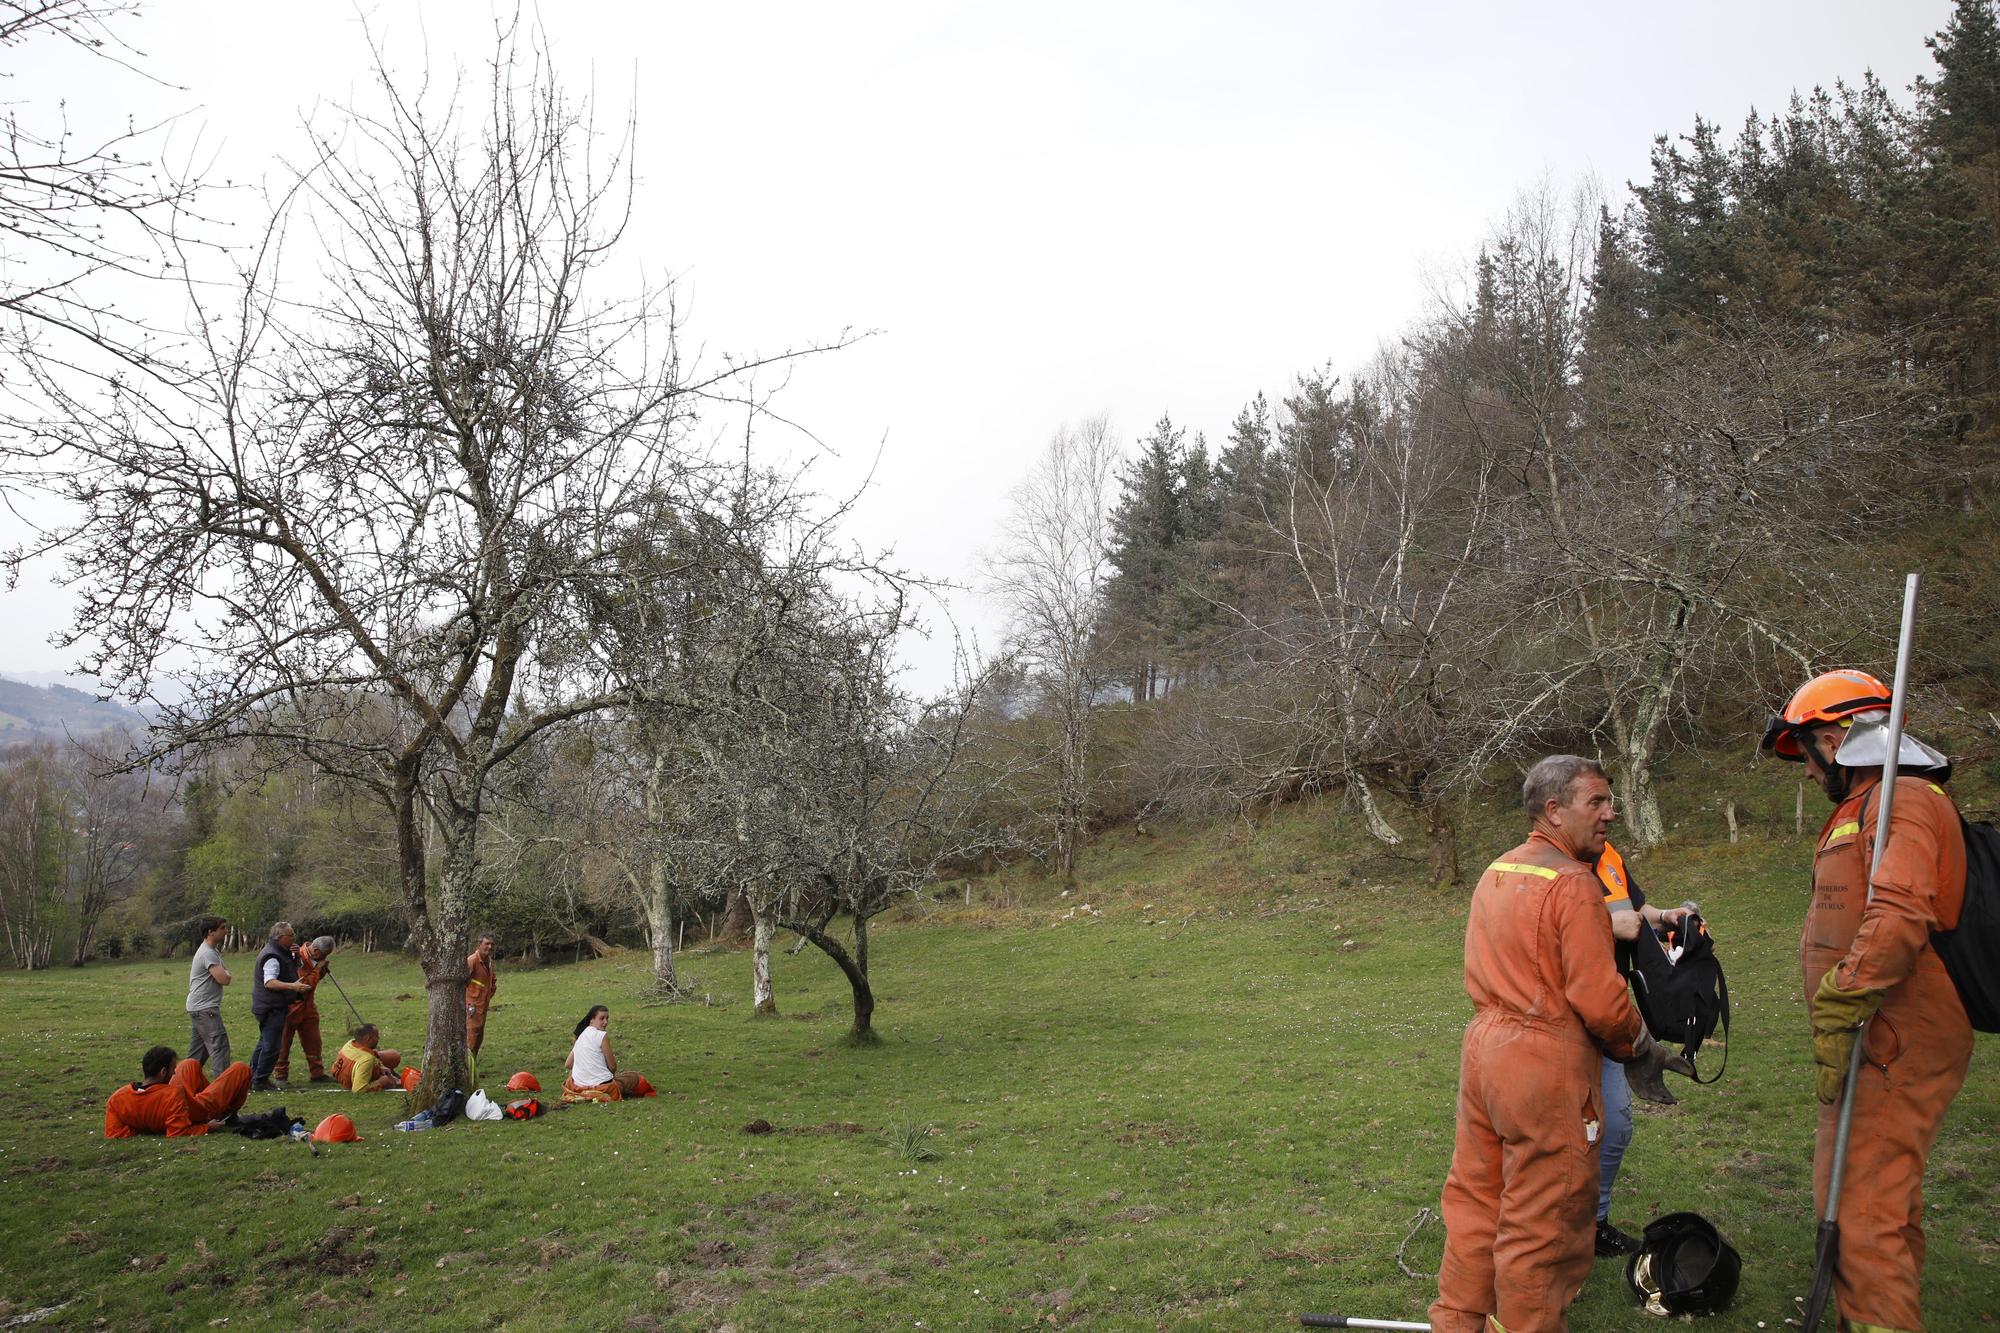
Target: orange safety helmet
412,1077
1831,696
524,1082
336,1128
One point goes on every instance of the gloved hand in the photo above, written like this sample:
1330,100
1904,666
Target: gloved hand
1836,1016
1643,1069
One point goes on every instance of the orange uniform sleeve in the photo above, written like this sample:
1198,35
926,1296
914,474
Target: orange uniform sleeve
1584,951
1917,889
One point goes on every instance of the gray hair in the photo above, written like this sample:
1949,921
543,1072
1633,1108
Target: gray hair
279,927
1552,779
323,945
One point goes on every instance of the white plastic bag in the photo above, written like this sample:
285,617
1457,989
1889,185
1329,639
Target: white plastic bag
481,1107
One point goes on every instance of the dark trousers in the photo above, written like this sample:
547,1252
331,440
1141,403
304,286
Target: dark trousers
270,1036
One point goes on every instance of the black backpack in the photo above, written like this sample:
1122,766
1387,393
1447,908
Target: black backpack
272,1124
448,1107
1684,1000
1970,951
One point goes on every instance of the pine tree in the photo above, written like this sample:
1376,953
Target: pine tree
1146,526
1959,132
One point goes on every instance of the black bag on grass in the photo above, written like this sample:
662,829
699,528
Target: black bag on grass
448,1108
272,1124
1970,951
1682,1000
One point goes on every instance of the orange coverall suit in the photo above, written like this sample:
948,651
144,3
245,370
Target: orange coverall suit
1548,1002
212,1101
479,988
1918,1045
302,1020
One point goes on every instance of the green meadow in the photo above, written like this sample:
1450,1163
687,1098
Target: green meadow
1207,1088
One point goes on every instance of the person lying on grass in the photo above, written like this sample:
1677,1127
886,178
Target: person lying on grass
179,1107
594,1075
361,1067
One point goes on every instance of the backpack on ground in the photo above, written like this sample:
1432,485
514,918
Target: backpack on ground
1970,951
272,1124
1685,998
525,1109
448,1107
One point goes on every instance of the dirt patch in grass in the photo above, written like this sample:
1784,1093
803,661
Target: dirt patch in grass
829,1127
1164,1135
339,1253
693,1294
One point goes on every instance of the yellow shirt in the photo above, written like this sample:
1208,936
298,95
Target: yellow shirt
363,1066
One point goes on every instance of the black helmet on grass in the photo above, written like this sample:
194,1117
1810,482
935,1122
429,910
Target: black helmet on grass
1683,1266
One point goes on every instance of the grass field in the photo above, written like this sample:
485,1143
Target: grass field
1222,1101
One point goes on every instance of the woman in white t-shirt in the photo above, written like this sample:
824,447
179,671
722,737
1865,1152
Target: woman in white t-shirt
594,1075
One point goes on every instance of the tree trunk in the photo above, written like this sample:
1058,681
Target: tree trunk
444,935
863,1031
1443,834
1378,827
763,1000
660,929
737,917
659,890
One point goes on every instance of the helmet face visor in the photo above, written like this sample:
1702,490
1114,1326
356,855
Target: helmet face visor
1781,737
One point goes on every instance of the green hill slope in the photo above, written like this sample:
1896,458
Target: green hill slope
1209,1088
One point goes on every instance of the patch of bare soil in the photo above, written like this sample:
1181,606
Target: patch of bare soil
338,1253
1139,1131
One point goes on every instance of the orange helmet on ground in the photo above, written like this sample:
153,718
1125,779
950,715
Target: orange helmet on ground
336,1128
524,1082
1831,696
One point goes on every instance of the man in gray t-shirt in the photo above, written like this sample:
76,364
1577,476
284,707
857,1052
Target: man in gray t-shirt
206,978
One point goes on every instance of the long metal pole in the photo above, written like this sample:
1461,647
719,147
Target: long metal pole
1343,1321
327,972
1826,1246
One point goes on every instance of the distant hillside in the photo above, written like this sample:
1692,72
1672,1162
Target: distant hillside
33,713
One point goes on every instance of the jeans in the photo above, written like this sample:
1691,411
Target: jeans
1617,1133
209,1041
270,1036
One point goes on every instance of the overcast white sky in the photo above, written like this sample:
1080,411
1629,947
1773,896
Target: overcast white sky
1047,210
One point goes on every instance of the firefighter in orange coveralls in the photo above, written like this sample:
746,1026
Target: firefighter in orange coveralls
302,1021
1875,960
480,984
1547,999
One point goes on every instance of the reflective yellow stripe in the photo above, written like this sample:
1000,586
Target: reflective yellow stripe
1510,867
1842,830
1934,787
1497,1325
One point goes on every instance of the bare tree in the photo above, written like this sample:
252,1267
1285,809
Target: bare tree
34,854
113,818
1049,573
87,215
385,490
1657,504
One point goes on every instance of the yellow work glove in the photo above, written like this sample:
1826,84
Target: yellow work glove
1836,1016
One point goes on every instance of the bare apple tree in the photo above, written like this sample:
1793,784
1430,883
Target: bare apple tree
384,491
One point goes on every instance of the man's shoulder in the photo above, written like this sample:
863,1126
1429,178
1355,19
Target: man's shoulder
1540,860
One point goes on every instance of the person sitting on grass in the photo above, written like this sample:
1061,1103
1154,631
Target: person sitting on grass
594,1075
179,1107
361,1067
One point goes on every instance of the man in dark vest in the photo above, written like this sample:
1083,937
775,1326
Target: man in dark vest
274,988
